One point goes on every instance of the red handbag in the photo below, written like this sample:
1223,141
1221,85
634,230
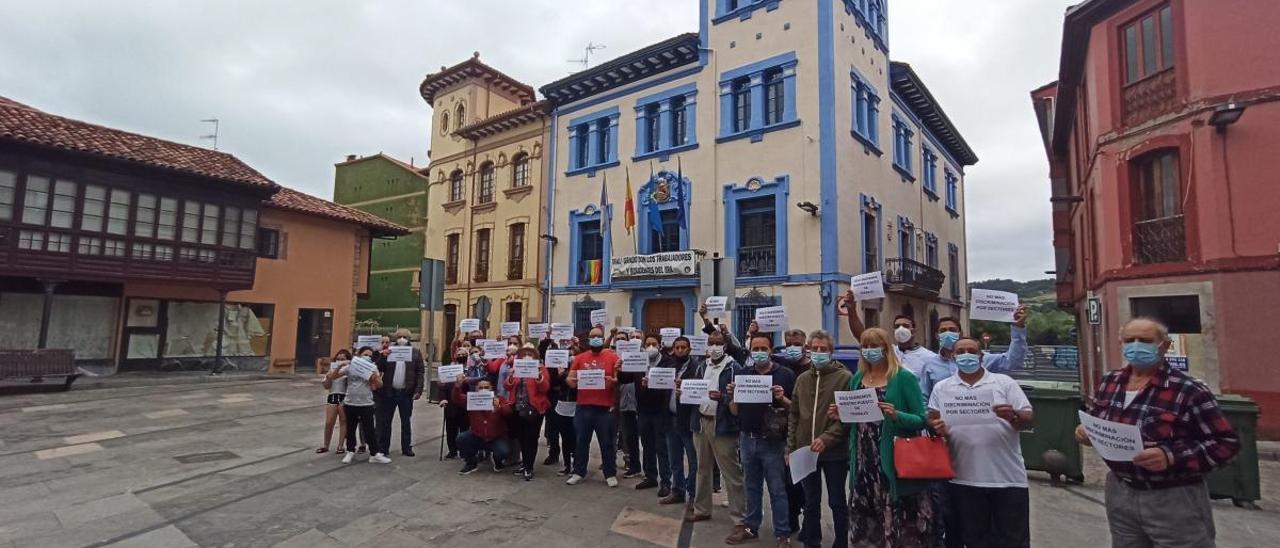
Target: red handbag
922,458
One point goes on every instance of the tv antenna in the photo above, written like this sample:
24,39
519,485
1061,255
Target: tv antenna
585,61
212,136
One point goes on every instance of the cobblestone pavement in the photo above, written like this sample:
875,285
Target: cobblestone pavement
232,463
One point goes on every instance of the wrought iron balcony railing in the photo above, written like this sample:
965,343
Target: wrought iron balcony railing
1162,240
906,275
758,260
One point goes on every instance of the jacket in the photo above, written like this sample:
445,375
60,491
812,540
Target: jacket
726,422
814,393
487,425
903,391
536,388
685,369
648,400
414,374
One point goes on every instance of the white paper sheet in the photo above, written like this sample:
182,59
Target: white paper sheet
557,359
400,354
468,325
590,379
868,286
859,405
668,335
991,305
481,400
449,372
694,391
538,331
1114,441
561,331
600,317
526,368
771,319
752,388
662,378
803,462
509,329
717,304
635,362
697,345
627,346
371,341
969,407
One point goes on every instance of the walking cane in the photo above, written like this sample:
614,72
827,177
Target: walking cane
442,436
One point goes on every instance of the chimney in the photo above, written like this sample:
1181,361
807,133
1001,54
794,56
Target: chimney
351,157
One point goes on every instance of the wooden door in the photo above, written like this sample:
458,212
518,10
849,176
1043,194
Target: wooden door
659,313
315,332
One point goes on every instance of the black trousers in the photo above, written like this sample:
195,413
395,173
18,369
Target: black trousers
361,416
527,430
387,405
630,438
454,424
795,501
991,517
563,428
551,431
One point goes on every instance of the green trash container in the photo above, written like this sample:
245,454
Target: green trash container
1055,405
1238,480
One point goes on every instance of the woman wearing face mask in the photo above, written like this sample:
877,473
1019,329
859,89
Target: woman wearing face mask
561,436
811,426
333,405
455,416
358,406
500,369
885,510
529,404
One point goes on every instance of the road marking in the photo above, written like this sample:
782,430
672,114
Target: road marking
166,414
38,408
94,436
57,452
237,395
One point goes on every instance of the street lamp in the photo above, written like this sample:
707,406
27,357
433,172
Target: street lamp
1225,115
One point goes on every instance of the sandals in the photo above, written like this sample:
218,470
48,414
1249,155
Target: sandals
340,451
322,450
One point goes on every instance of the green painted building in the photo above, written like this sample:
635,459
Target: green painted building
395,191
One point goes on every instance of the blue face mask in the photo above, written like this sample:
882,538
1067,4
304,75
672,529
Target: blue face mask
968,363
792,352
947,339
760,358
1142,355
873,355
596,342
820,359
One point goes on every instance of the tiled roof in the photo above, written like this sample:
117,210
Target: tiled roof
917,97
507,120
292,200
671,53
23,124
472,68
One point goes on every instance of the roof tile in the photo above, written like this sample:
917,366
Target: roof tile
292,200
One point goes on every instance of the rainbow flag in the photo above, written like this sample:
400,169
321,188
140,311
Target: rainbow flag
595,271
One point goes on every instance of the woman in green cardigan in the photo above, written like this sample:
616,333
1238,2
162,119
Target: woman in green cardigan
885,512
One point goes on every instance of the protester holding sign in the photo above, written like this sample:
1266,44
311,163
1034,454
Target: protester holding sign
732,346
810,426
560,434
652,421
358,405
397,396
988,501
333,413
529,404
487,429
715,435
914,356
949,332
681,450
763,443
1160,498
592,415
455,416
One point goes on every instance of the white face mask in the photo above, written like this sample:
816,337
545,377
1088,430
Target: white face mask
715,352
511,349
402,341
902,335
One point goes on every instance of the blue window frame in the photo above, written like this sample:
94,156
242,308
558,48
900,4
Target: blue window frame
744,311
652,128
679,120
906,238
902,147
952,190
756,227
582,316
586,247
931,250
866,112
758,98
593,142
741,10
872,258
953,269
665,122
929,172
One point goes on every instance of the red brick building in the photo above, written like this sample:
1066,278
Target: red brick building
1160,132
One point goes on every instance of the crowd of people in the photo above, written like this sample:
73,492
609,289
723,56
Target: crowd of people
685,451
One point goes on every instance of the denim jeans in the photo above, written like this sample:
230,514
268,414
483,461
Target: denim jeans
835,472
653,440
680,450
591,419
763,465
470,444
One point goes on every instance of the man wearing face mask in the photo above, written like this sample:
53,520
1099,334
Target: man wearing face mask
652,422
792,354
593,414
715,435
809,425
914,356
763,444
680,446
398,394
1160,498
944,365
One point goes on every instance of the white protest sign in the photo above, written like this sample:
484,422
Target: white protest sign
590,379
449,373
509,329
561,331
400,354
1114,441
599,316
481,400
361,368
493,349
557,359
371,341
694,391
771,319
859,405
752,388
662,378
868,286
697,345
538,331
468,325
991,305
717,304
634,362
803,462
526,368
627,346
668,335
969,407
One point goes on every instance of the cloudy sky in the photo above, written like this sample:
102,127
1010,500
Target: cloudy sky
299,84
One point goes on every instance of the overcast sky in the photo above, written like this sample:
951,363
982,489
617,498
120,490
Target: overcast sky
299,84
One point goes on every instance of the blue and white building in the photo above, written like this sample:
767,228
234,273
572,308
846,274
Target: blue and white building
780,135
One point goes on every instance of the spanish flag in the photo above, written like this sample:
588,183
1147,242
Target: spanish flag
629,210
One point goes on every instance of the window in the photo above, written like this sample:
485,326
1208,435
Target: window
590,254
268,243
669,238
515,312
679,119
929,171
90,246
520,171
190,221
930,250
1148,45
144,223
113,248
602,132
444,123
482,254
515,266
209,225
741,104
744,308
757,237
450,319
583,147
906,239
902,151
1180,313
142,251
774,97
118,212
486,183
870,239
455,185
1159,233
452,250
64,204
952,191
866,112
32,240
35,203
95,207
168,219
653,130
8,189
249,229
164,253
461,118
58,243
230,226
953,270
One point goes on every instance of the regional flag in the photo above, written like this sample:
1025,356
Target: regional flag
629,210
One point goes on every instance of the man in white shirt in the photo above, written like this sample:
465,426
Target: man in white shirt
911,354
988,501
405,381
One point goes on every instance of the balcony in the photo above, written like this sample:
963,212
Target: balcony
1162,240
757,260
515,269
1149,98
482,271
913,278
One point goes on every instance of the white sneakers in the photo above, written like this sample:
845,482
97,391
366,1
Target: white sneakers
347,458
379,459
611,481
573,480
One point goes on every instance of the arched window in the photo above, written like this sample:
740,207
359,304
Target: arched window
486,183
461,116
455,185
520,171
444,123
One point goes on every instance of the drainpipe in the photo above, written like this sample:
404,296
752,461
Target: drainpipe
550,151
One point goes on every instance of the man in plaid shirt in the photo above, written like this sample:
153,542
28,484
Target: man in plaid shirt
1160,499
